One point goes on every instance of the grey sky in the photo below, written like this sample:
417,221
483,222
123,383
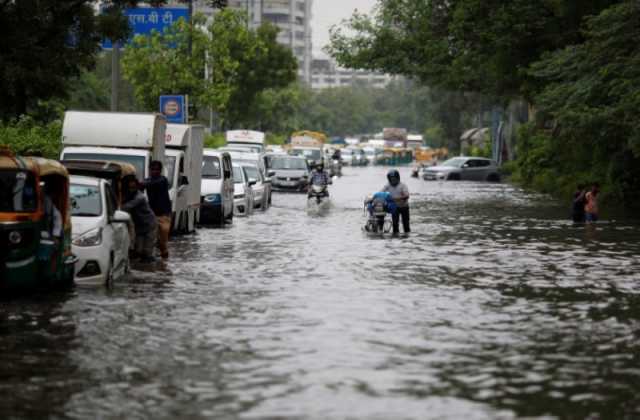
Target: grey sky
327,13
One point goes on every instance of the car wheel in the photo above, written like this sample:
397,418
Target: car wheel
222,218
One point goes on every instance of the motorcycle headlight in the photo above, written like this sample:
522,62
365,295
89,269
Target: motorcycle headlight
90,238
212,198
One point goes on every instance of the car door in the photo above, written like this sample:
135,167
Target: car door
227,185
111,234
469,170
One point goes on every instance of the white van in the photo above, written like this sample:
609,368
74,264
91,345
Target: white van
135,138
183,163
217,188
247,139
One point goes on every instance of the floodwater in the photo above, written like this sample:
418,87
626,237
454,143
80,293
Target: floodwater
494,307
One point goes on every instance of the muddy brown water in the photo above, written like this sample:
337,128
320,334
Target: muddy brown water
494,307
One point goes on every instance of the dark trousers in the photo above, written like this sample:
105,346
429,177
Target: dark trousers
395,218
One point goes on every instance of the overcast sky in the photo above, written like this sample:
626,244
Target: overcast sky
327,13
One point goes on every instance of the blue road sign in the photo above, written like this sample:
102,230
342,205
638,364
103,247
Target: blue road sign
143,20
174,108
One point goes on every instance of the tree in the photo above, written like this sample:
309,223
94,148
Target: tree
465,45
241,63
47,43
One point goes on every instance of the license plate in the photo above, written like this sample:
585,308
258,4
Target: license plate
289,183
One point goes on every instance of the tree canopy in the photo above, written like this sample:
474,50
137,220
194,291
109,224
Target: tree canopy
48,43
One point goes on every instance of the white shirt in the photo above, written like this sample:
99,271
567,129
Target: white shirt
400,194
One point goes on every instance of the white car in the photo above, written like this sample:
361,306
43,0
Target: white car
261,196
100,236
243,201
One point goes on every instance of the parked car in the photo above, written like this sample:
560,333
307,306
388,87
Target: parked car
463,169
261,195
243,191
216,203
257,159
289,173
100,238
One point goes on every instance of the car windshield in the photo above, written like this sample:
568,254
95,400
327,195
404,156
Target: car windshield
211,167
288,163
137,161
237,175
170,166
18,191
454,163
85,201
252,172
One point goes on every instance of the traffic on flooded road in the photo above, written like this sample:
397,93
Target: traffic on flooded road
494,306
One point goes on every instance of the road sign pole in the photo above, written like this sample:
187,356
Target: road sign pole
115,76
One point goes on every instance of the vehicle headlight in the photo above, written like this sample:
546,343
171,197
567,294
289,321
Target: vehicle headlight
90,238
238,196
213,198
15,237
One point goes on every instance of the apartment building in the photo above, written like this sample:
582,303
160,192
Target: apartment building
326,74
293,17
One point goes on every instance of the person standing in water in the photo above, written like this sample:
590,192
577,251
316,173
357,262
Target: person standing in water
591,203
577,207
400,194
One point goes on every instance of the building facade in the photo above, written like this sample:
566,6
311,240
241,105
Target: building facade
293,17
326,74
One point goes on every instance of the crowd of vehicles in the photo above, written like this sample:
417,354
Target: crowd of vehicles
62,220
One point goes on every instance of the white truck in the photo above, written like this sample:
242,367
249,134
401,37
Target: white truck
135,138
183,162
249,139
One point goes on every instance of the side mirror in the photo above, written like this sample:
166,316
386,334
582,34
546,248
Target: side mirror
121,217
252,182
183,180
466,165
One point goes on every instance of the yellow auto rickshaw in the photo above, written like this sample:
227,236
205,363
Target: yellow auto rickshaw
35,224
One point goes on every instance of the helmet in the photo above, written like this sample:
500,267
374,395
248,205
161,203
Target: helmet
320,166
394,177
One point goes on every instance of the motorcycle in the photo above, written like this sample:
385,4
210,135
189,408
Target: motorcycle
318,193
336,167
378,220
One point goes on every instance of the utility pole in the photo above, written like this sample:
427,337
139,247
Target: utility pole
115,75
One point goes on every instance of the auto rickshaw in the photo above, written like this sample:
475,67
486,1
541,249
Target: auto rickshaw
113,172
35,224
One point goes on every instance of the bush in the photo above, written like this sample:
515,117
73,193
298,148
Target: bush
26,137
215,140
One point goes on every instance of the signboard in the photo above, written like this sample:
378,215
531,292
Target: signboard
174,108
143,20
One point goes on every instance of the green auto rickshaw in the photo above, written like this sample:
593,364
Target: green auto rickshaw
35,224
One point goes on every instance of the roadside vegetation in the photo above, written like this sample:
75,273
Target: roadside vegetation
577,64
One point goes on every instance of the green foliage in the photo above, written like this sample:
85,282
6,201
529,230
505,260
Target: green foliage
469,45
215,140
46,44
26,137
242,64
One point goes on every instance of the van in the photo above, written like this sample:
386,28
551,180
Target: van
247,139
216,204
183,162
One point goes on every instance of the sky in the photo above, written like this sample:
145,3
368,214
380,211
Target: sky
327,13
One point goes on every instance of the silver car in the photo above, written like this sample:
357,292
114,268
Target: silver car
463,169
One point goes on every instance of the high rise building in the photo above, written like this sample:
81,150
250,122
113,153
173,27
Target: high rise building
293,17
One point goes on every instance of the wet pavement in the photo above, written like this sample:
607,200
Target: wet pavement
494,307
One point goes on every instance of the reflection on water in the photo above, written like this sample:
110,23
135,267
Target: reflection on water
495,306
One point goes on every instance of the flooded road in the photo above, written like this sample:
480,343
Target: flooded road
494,307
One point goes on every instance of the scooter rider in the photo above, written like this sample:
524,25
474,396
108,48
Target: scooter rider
319,177
400,194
